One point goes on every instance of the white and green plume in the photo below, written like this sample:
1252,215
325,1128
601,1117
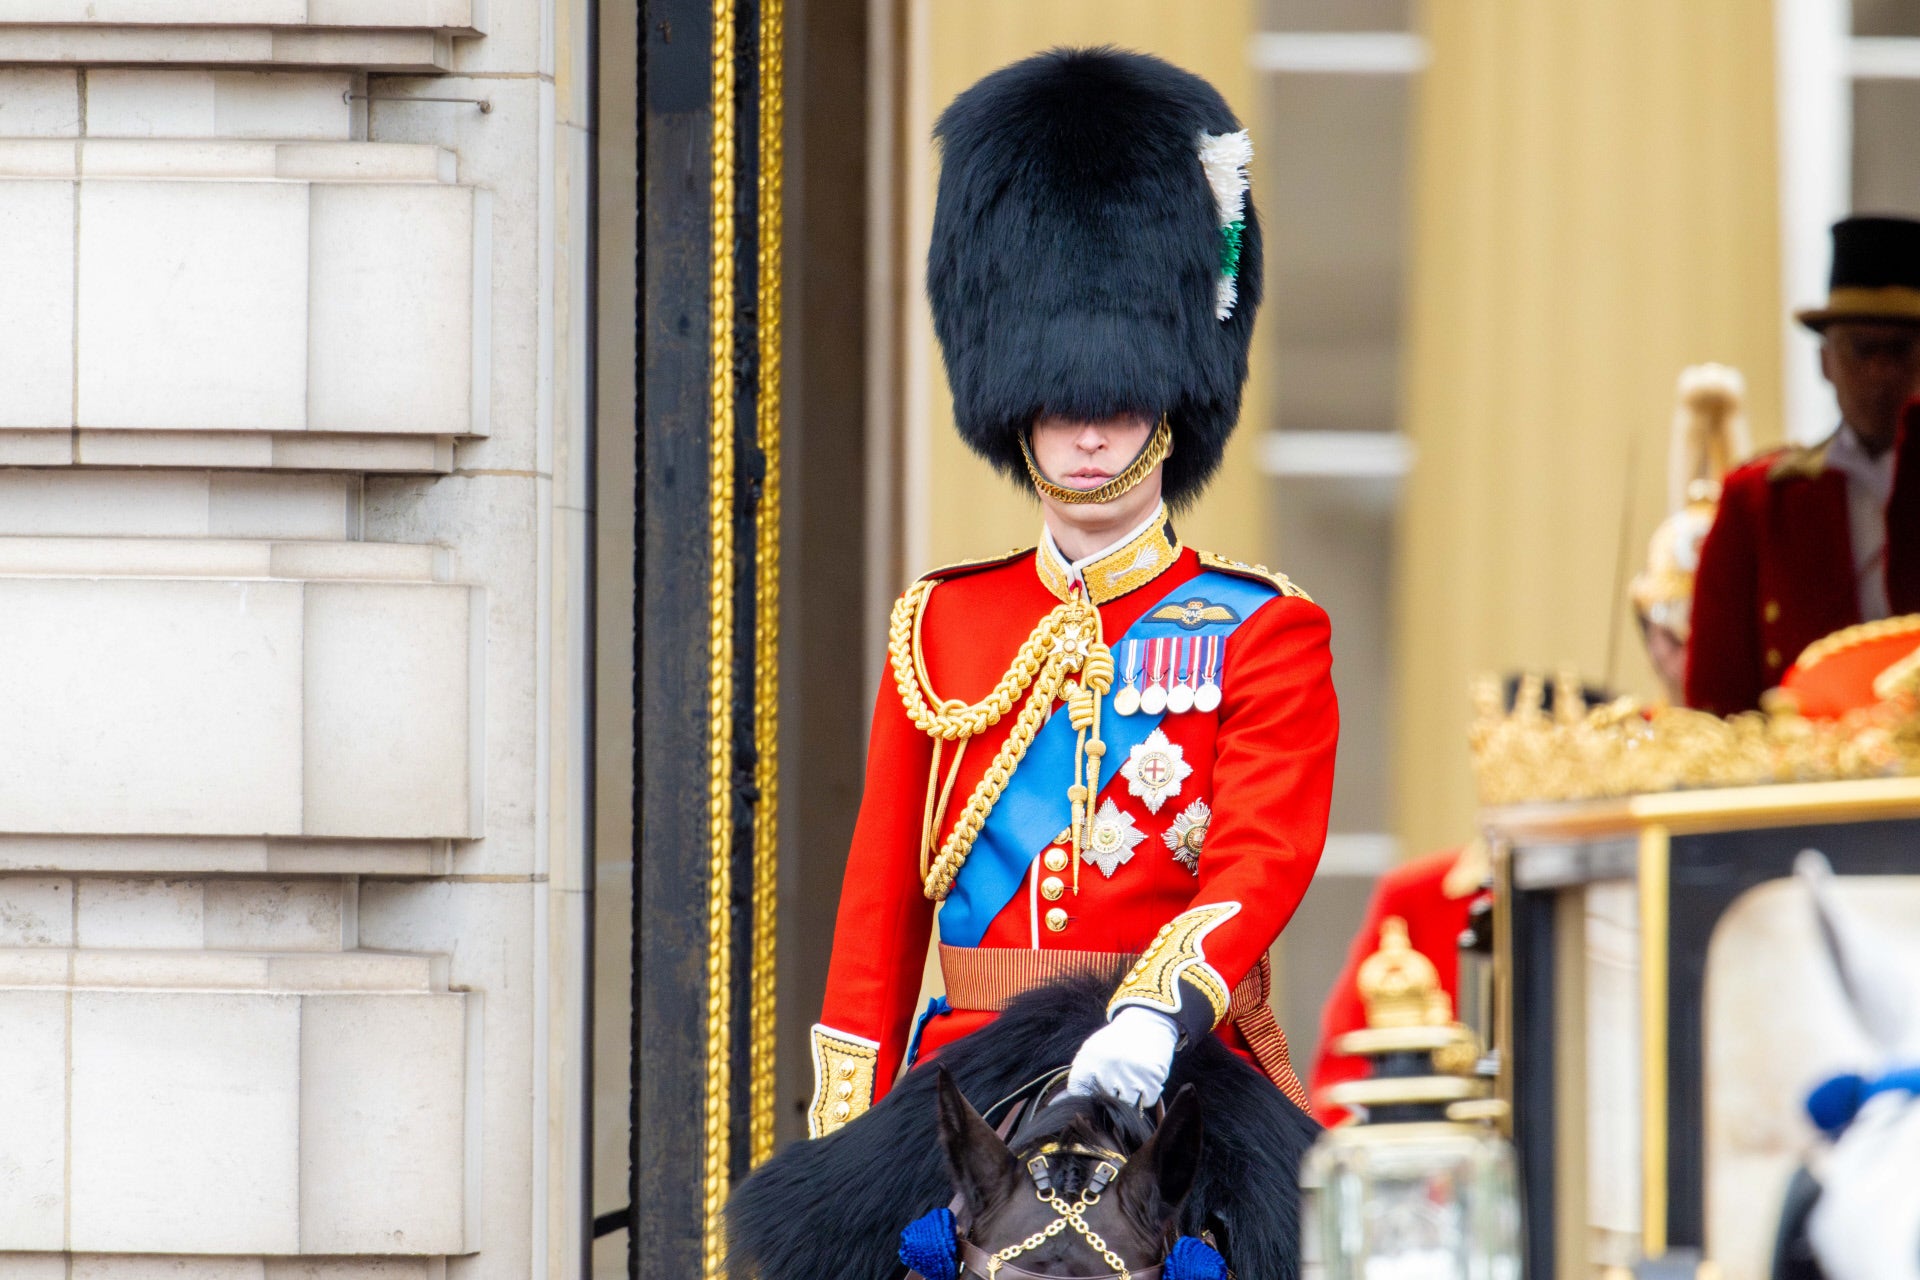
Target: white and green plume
1225,157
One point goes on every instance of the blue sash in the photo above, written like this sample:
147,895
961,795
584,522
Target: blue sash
1033,809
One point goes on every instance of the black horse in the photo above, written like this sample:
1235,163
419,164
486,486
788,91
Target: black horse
1084,1180
834,1207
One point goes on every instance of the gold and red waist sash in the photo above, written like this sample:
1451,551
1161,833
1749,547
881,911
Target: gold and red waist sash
988,978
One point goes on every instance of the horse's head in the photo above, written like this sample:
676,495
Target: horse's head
1089,1175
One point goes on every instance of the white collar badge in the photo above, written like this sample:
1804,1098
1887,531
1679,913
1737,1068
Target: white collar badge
1154,770
1113,839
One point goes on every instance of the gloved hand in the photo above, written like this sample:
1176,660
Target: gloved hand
1128,1058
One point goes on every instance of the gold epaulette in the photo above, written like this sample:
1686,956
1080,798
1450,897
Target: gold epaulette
960,567
1799,461
1258,572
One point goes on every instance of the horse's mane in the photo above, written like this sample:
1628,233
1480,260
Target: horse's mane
1094,1119
1077,1119
834,1206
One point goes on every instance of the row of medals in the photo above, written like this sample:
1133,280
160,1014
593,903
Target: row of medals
1179,674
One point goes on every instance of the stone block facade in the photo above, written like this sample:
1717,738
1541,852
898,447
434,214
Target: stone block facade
292,503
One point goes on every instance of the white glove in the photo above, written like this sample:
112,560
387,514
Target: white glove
1128,1058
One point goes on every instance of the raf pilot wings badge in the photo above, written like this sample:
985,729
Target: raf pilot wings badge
1194,614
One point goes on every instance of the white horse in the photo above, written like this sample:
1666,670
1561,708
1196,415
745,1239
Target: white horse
1866,1223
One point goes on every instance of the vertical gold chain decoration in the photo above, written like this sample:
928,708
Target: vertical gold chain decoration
720,655
766,593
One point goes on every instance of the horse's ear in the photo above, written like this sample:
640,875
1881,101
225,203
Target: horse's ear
982,1168
1160,1174
1877,970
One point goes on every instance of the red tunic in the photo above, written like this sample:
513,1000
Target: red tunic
1263,762
1416,892
1776,571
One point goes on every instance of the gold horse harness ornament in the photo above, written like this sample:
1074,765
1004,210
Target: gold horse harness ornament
976,1260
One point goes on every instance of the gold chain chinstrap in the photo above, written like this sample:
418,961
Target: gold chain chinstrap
1066,643
1155,451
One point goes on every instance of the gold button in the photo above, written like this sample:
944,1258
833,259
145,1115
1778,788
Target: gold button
1056,919
1772,611
842,1111
1773,657
846,1070
1056,860
1052,887
844,1089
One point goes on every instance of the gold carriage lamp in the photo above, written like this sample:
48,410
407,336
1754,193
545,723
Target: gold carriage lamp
1422,1185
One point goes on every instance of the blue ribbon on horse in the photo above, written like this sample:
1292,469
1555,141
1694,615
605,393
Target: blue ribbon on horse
1835,1102
928,1246
1033,808
1194,1259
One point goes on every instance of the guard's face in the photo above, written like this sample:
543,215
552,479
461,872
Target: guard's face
1875,370
1085,455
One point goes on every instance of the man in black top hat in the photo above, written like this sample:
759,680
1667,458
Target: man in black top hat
1812,539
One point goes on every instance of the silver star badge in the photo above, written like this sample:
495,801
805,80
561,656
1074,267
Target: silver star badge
1154,770
1112,840
1188,833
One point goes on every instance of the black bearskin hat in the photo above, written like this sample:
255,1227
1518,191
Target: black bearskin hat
1081,261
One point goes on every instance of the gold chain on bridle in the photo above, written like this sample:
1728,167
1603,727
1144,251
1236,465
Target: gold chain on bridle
1071,1215
1067,642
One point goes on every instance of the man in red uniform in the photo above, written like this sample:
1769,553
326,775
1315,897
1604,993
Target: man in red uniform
1809,540
1110,752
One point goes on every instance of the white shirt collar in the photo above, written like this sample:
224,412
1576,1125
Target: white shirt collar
1875,475
1076,569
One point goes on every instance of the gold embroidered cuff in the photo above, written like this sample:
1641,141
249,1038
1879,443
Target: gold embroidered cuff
1173,975
843,1077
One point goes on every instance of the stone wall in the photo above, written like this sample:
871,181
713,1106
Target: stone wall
293,531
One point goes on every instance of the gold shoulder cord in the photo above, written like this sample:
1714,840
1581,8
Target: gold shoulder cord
1065,643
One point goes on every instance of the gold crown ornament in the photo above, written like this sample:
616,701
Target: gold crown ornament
1525,756
1408,1012
1399,986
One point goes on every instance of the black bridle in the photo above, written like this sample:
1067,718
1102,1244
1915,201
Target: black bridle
1067,1215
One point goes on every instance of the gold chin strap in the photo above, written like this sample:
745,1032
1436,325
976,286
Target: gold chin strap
1156,451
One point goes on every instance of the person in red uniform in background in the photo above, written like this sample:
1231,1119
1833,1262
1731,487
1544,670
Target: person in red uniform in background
1110,752
1434,894
1809,540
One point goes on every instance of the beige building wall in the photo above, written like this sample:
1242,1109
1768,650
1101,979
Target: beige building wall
1595,207
961,508
294,505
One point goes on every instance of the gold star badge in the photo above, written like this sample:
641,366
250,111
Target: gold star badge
1188,833
1112,840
